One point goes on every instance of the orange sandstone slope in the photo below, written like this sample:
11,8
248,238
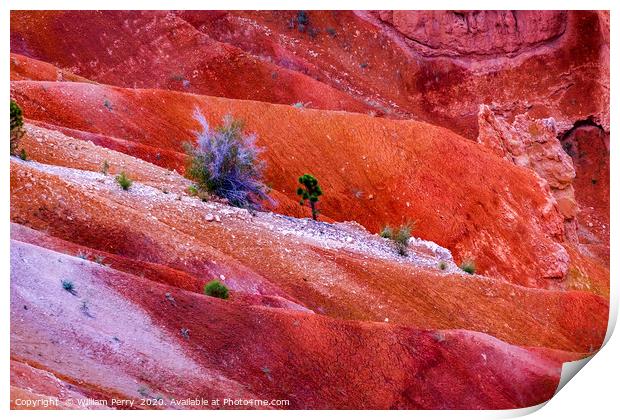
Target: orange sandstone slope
374,171
304,295
341,270
27,68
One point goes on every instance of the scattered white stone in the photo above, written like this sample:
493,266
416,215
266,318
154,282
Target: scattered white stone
209,217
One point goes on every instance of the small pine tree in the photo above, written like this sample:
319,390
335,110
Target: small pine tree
17,126
124,181
216,289
310,190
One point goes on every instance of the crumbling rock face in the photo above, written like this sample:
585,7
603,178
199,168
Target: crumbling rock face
486,32
588,146
533,143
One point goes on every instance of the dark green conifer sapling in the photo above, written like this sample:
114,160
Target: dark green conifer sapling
310,190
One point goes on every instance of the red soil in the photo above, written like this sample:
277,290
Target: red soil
343,364
259,259
360,161
26,68
108,50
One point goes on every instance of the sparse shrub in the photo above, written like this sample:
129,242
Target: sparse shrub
68,286
314,32
85,309
331,32
301,105
82,255
468,266
105,167
216,289
185,333
170,298
443,265
17,127
267,372
23,155
363,65
386,232
399,236
226,163
108,105
194,191
124,181
310,190
303,20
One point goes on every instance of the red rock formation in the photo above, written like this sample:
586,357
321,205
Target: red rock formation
476,33
534,144
380,73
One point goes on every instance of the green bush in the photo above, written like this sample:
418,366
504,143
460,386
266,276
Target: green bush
468,266
387,232
194,191
17,126
68,286
124,181
399,236
216,289
310,190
